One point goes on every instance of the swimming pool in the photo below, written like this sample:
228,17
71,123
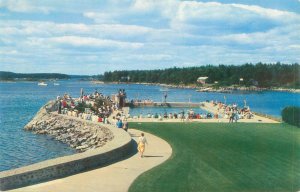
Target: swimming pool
144,111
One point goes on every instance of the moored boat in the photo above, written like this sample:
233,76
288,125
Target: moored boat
42,84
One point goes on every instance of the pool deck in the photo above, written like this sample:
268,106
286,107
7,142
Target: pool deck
203,105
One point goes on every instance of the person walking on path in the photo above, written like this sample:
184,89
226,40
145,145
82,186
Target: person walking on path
141,144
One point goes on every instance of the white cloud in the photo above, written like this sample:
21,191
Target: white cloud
100,17
8,52
23,6
213,17
92,42
270,13
34,28
146,34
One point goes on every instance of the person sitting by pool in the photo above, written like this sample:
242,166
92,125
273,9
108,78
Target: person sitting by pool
198,116
182,115
249,115
165,115
156,116
203,116
187,118
179,116
160,117
175,116
194,116
216,116
231,116
209,116
236,116
141,116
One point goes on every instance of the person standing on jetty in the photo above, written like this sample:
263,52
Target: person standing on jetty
81,92
125,125
59,107
119,124
141,144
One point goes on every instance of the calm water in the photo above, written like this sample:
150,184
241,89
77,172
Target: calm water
20,101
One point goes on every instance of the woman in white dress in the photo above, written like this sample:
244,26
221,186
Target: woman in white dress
141,144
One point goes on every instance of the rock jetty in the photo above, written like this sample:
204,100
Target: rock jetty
78,134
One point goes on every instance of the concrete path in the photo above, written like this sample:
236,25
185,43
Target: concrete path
113,178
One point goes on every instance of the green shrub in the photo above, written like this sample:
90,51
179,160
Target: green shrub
291,115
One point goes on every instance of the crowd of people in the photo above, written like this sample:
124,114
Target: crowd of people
182,115
94,107
98,108
232,111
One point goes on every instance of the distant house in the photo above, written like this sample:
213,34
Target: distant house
202,80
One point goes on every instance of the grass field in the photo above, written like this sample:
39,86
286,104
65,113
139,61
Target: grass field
224,157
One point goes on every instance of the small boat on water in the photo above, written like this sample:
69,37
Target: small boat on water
56,84
42,84
97,82
164,89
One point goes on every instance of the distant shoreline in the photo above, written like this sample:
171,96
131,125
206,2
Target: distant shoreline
220,89
225,89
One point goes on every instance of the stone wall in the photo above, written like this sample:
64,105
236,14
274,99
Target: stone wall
107,144
79,134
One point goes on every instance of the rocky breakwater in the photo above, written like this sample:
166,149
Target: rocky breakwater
79,134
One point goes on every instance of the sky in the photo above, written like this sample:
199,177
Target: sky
93,36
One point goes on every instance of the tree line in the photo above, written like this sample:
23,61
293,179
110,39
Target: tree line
4,75
10,76
260,74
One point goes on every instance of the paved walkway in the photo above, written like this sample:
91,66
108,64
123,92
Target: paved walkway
113,178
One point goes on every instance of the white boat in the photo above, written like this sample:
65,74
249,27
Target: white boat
42,84
164,89
56,84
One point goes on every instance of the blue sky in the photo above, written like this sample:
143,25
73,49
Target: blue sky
91,37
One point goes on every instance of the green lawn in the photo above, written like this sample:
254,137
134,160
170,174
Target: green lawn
224,157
